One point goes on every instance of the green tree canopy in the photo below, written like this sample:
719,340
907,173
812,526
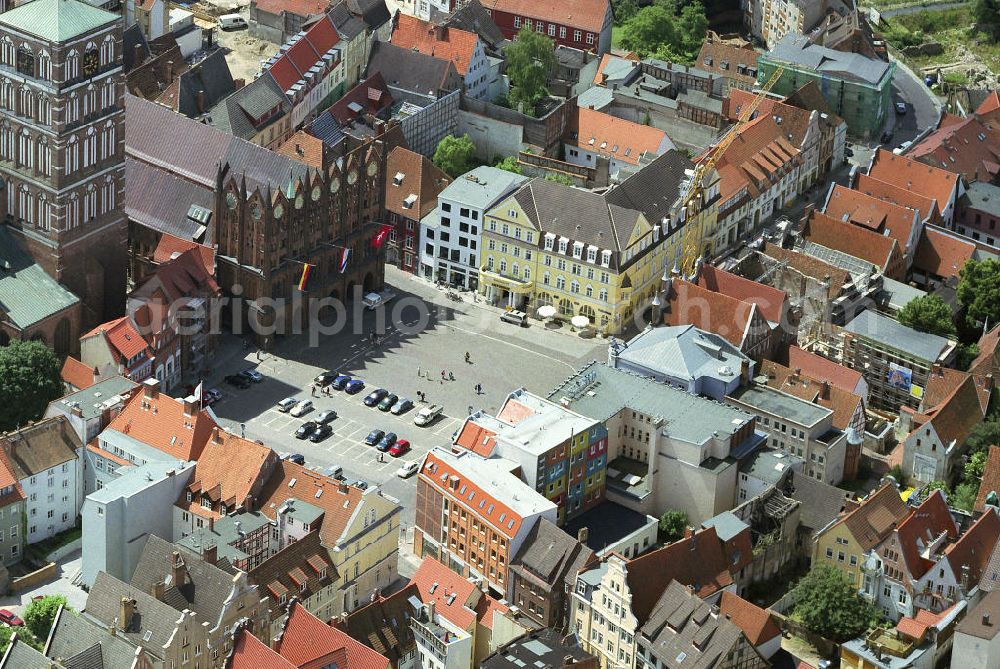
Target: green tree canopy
672,525
29,380
987,16
510,164
982,436
41,613
666,30
928,313
530,59
979,292
829,605
455,155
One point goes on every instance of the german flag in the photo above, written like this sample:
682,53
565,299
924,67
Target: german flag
304,279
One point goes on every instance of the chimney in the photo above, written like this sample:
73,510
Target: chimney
430,610
824,393
986,620
217,435
158,589
440,33
298,149
568,661
191,407
239,83
688,532
342,488
138,55
126,607
199,99
169,74
151,388
76,410
936,370
211,523
211,554
177,570
583,534
745,373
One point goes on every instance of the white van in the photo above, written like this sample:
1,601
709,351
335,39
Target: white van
232,22
518,318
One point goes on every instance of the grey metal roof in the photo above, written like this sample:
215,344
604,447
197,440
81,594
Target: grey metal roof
137,478
151,616
80,643
211,77
541,648
550,554
596,97
772,401
821,502
726,525
798,50
701,100
655,188
20,655
207,588
769,465
347,24
482,187
684,352
223,534
900,293
600,392
984,197
235,113
411,70
893,334
159,200
92,399
131,38
56,20
618,69
28,294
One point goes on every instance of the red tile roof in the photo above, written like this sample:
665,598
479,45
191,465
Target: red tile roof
870,212
911,628
714,53
759,155
881,251
308,643
412,184
934,182
170,247
876,517
819,367
455,598
446,43
769,300
160,422
991,478
925,206
124,340
514,412
297,7
588,15
307,51
8,478
988,362
304,148
339,501
756,623
927,523
726,316
990,104
974,548
941,253
476,438
250,653
372,94
613,137
970,147
698,561
955,417
77,374
229,470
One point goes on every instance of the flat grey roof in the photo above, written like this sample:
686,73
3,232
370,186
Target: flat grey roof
684,352
768,464
726,525
600,392
93,399
134,479
788,407
893,334
482,187
984,197
798,50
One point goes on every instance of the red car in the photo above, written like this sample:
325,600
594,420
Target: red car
401,447
7,616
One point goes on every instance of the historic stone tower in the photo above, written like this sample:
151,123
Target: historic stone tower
62,158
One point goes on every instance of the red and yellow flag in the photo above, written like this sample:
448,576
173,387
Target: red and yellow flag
306,268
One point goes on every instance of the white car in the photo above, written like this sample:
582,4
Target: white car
287,404
407,469
302,408
427,415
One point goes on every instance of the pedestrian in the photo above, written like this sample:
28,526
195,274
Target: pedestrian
451,377
468,358
442,375
313,390
418,370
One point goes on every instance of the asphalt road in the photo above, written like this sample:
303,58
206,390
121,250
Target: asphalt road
922,106
503,358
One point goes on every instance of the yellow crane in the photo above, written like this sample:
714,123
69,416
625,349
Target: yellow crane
692,233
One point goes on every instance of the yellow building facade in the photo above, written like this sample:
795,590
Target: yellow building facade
550,244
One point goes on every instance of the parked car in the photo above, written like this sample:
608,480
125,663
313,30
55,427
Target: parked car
325,417
387,442
339,382
518,318
237,380
427,415
361,485
334,472
900,108
212,395
375,396
401,447
253,375
402,406
325,378
285,405
388,402
306,429
297,458
354,386
302,408
321,432
374,437
7,616
407,469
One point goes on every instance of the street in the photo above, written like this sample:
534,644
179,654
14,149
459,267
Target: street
502,357
922,106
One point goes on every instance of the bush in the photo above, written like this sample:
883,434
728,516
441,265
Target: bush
41,613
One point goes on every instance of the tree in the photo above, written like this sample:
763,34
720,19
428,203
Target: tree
987,15
896,472
979,292
510,164
41,613
5,634
982,436
455,155
531,59
928,314
29,380
829,605
692,26
974,466
965,354
672,525
649,30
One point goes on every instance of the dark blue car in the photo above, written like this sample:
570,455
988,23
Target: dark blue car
354,386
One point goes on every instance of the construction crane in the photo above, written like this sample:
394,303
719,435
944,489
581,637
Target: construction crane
692,233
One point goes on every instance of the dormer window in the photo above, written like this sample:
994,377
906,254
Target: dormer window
206,503
577,249
606,258
563,243
550,241
189,496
